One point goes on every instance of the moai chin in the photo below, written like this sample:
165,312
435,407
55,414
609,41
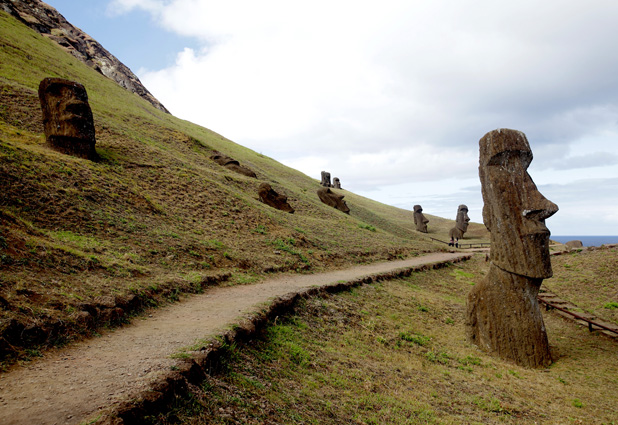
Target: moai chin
67,117
326,179
503,314
419,219
336,183
461,223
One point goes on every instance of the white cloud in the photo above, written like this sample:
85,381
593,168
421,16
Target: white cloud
383,95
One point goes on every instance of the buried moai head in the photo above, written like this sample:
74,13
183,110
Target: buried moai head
268,196
333,199
326,179
67,117
232,164
419,219
514,210
336,183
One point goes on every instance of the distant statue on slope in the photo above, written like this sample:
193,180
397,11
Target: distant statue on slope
325,179
419,219
461,223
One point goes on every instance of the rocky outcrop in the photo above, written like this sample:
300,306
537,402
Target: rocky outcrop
48,22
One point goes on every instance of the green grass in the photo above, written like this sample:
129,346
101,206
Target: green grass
353,358
155,210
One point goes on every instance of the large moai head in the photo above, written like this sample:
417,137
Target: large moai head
333,199
514,210
67,117
336,183
270,197
462,220
419,219
326,179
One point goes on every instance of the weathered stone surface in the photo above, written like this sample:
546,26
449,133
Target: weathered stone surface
49,23
67,117
461,223
232,164
326,179
336,183
419,219
574,245
333,199
270,197
503,315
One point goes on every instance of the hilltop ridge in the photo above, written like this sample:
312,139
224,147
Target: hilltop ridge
46,20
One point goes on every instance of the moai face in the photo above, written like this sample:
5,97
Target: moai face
336,183
462,218
67,117
514,210
419,219
326,179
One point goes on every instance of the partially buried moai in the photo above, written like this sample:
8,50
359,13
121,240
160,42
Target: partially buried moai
270,197
503,314
67,117
461,223
325,179
337,183
333,199
419,219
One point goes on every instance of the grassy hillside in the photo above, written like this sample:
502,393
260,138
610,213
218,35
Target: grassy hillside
84,243
396,353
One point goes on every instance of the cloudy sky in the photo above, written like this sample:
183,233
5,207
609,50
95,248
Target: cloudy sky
391,96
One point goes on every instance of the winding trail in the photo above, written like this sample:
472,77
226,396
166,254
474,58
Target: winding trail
71,385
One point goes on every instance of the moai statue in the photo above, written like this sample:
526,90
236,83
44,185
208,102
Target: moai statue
461,223
326,179
67,117
336,183
419,219
333,199
503,315
268,196
232,164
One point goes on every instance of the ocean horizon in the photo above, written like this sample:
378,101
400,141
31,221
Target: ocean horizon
586,240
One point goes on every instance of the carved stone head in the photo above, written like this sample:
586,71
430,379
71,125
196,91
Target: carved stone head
333,199
67,117
462,219
325,179
270,197
419,219
514,210
336,183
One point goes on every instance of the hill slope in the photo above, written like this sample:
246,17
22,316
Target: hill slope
84,243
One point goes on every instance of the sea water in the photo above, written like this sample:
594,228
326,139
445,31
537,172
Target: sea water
587,240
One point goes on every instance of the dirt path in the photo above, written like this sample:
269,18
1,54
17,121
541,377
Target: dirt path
71,385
